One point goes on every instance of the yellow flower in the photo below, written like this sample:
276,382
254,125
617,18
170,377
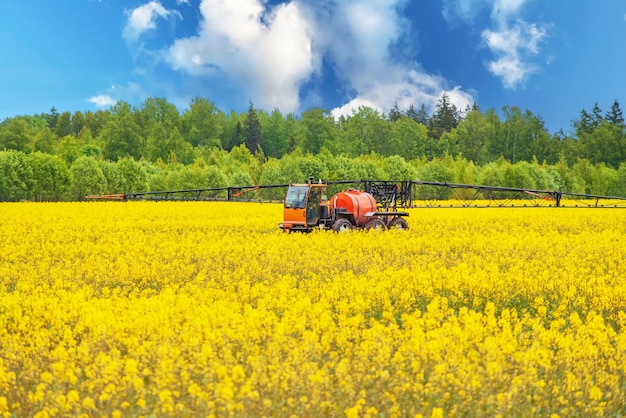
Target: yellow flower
595,394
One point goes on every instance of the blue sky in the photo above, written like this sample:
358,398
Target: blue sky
552,57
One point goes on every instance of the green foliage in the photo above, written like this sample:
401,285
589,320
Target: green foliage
491,175
439,170
122,135
617,184
318,129
46,141
154,147
203,124
114,178
15,135
69,149
51,177
240,178
215,177
134,175
396,168
16,176
87,178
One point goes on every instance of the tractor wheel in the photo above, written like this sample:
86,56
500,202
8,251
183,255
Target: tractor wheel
375,223
398,223
342,225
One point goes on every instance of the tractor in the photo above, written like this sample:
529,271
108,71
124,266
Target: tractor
307,206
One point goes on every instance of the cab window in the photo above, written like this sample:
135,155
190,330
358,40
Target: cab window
296,197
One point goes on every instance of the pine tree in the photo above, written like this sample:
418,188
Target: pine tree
394,113
53,116
252,129
615,115
596,116
445,118
420,116
584,124
411,113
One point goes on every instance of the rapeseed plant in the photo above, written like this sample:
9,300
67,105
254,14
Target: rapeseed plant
207,309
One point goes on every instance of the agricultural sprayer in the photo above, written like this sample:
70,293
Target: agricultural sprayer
367,204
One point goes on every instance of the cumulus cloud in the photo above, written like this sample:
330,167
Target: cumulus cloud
513,41
267,51
358,40
130,92
511,47
102,100
143,18
271,52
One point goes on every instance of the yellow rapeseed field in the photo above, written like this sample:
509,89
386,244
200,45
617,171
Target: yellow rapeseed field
207,309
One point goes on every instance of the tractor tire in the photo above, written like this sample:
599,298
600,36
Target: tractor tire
375,223
398,223
342,225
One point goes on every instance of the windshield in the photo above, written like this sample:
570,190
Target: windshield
296,197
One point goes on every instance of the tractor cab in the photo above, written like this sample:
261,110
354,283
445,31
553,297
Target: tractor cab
305,205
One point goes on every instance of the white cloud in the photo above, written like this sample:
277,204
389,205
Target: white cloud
358,40
131,92
265,52
143,18
416,87
462,9
513,41
102,100
513,48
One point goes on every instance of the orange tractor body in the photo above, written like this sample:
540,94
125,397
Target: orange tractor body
307,206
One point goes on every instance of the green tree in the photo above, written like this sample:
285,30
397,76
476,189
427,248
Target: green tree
596,116
275,135
180,150
617,187
63,126
16,176
203,124
69,149
420,116
122,135
97,121
77,123
396,168
135,176
52,117
615,116
394,113
87,178
445,118
318,130
368,127
157,111
51,177
14,135
114,178
252,130
46,141
604,145
471,136
232,134
408,139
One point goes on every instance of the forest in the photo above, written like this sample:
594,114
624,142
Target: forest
66,156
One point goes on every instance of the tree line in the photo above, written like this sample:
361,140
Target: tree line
64,156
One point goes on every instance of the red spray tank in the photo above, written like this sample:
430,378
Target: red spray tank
355,201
